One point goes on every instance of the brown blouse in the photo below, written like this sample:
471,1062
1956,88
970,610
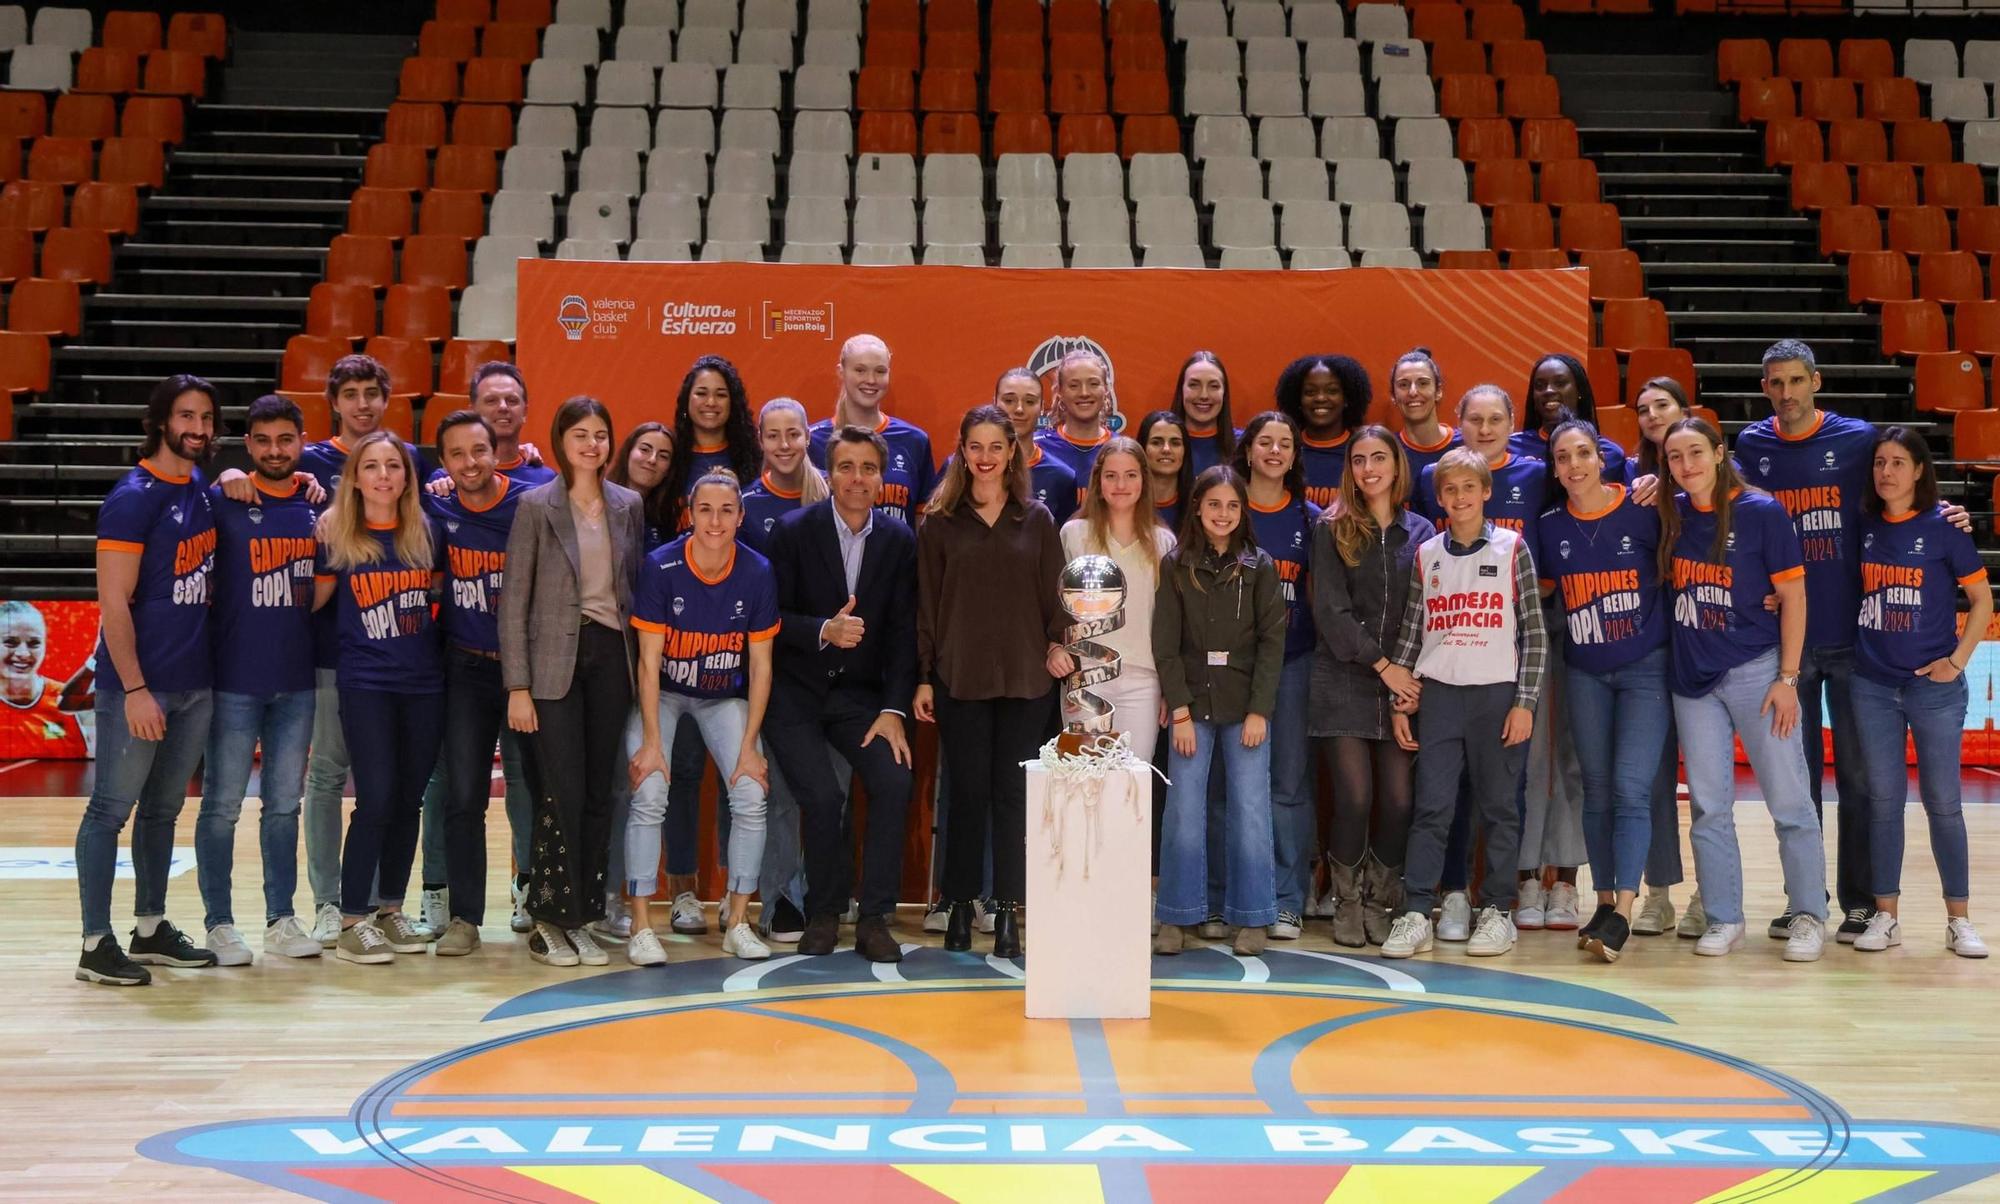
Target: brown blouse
986,601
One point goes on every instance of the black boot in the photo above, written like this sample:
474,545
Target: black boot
1006,930
958,928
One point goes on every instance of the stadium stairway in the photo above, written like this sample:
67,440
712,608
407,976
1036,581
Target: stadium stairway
213,281
1735,266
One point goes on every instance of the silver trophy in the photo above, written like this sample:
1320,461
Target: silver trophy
1092,591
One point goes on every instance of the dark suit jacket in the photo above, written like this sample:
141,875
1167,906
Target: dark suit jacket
541,607
812,586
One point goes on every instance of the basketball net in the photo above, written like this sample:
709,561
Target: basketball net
1077,794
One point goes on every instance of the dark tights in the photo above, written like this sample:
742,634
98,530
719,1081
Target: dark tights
1371,798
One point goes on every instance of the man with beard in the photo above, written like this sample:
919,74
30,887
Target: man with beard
155,549
264,684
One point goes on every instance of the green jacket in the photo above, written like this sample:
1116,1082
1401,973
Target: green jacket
1233,607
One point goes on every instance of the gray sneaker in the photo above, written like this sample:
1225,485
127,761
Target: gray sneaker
1694,921
364,945
401,932
326,925
1454,921
289,938
228,945
1288,927
458,939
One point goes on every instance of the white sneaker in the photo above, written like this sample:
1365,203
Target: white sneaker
1408,936
1656,913
436,912
1882,932
289,938
1493,936
1720,940
982,915
549,946
741,941
228,946
326,925
519,921
853,915
617,922
938,918
402,934
1962,938
1808,939
1455,917
1287,927
644,949
687,915
1530,906
1560,913
1694,921
587,951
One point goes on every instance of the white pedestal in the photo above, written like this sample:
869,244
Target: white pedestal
1089,899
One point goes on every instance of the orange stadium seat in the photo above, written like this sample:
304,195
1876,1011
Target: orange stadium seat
1519,57
17,254
1498,23
1150,134
1891,99
1023,52
417,311
1950,277
176,73
1140,92
1569,182
24,362
1845,229
1546,138
1503,182
1885,185
1602,365
1015,17
1979,230
1859,140
425,80
1011,90
467,168
1828,99
1620,424
415,124
1077,92
957,51
1022,134
32,204
1875,277
161,118
1867,58
522,43
1075,52
1975,435
1793,140
1765,100
1460,96
1949,381
895,48
399,165
462,356
385,211
1486,138
1805,58
452,213
408,362
1953,185
454,40
1917,141
1536,258
1470,260
83,256
436,409
12,160
1531,96
1134,17
100,205
1591,227
1076,16
47,307
885,90
124,30
436,260
1912,328
1134,53
951,16
1523,226
525,12
1634,322
341,311
492,81
886,134
368,259
136,161
483,125
1738,59
902,16
1086,134
1649,362
1821,185
79,116
205,34
950,134
23,114
472,12
1614,273
1975,327
1437,22
1917,228
60,160
113,72
1460,57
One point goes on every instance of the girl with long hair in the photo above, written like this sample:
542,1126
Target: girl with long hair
1282,520
1327,398
1201,399
1558,392
1163,438
988,634
1734,669
789,480
1219,643
1910,659
641,465
378,568
1018,393
1362,553
712,429
1118,522
1598,559
706,611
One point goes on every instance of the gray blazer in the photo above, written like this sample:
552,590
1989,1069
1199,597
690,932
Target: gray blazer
541,607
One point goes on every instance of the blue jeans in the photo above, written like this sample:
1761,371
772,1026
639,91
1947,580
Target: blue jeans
1934,715
721,721
520,805
151,775
1294,818
1706,725
326,790
282,724
1832,669
1619,720
1663,856
397,736
1250,899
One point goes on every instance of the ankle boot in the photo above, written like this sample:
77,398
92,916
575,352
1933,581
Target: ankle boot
1169,940
958,927
1006,929
1384,902
1348,928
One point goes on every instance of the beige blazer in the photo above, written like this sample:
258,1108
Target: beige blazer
541,608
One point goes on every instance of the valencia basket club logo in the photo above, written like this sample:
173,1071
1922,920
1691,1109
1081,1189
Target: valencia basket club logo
1301,1076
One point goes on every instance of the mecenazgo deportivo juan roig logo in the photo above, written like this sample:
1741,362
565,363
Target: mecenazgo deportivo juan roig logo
1300,1076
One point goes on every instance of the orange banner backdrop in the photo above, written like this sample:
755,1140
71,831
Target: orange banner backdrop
626,332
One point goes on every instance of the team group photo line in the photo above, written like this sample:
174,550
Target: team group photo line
1500,637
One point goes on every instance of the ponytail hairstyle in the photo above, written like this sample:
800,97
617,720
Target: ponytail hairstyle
1728,485
1353,523
956,484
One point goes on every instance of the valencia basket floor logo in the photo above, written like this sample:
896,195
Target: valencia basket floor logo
1303,1076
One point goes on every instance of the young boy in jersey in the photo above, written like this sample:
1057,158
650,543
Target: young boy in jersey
155,551
1473,632
264,684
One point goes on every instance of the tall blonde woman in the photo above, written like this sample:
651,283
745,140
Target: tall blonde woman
567,663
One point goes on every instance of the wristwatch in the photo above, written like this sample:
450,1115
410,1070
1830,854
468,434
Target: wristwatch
1789,679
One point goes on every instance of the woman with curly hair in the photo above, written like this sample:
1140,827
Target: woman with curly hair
1326,397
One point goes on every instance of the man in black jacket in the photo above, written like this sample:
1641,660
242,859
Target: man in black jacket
846,671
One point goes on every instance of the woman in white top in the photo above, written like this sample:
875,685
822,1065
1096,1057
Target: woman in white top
1118,520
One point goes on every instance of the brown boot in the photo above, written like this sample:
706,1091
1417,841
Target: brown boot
1382,897
1348,929
1169,940
1249,942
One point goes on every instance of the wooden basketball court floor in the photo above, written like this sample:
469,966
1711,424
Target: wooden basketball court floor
1323,1073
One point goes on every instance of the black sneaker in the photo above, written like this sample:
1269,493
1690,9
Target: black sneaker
108,964
1584,934
1608,941
169,946
787,925
1855,925
1781,928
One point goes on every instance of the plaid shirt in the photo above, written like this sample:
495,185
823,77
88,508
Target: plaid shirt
1532,632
